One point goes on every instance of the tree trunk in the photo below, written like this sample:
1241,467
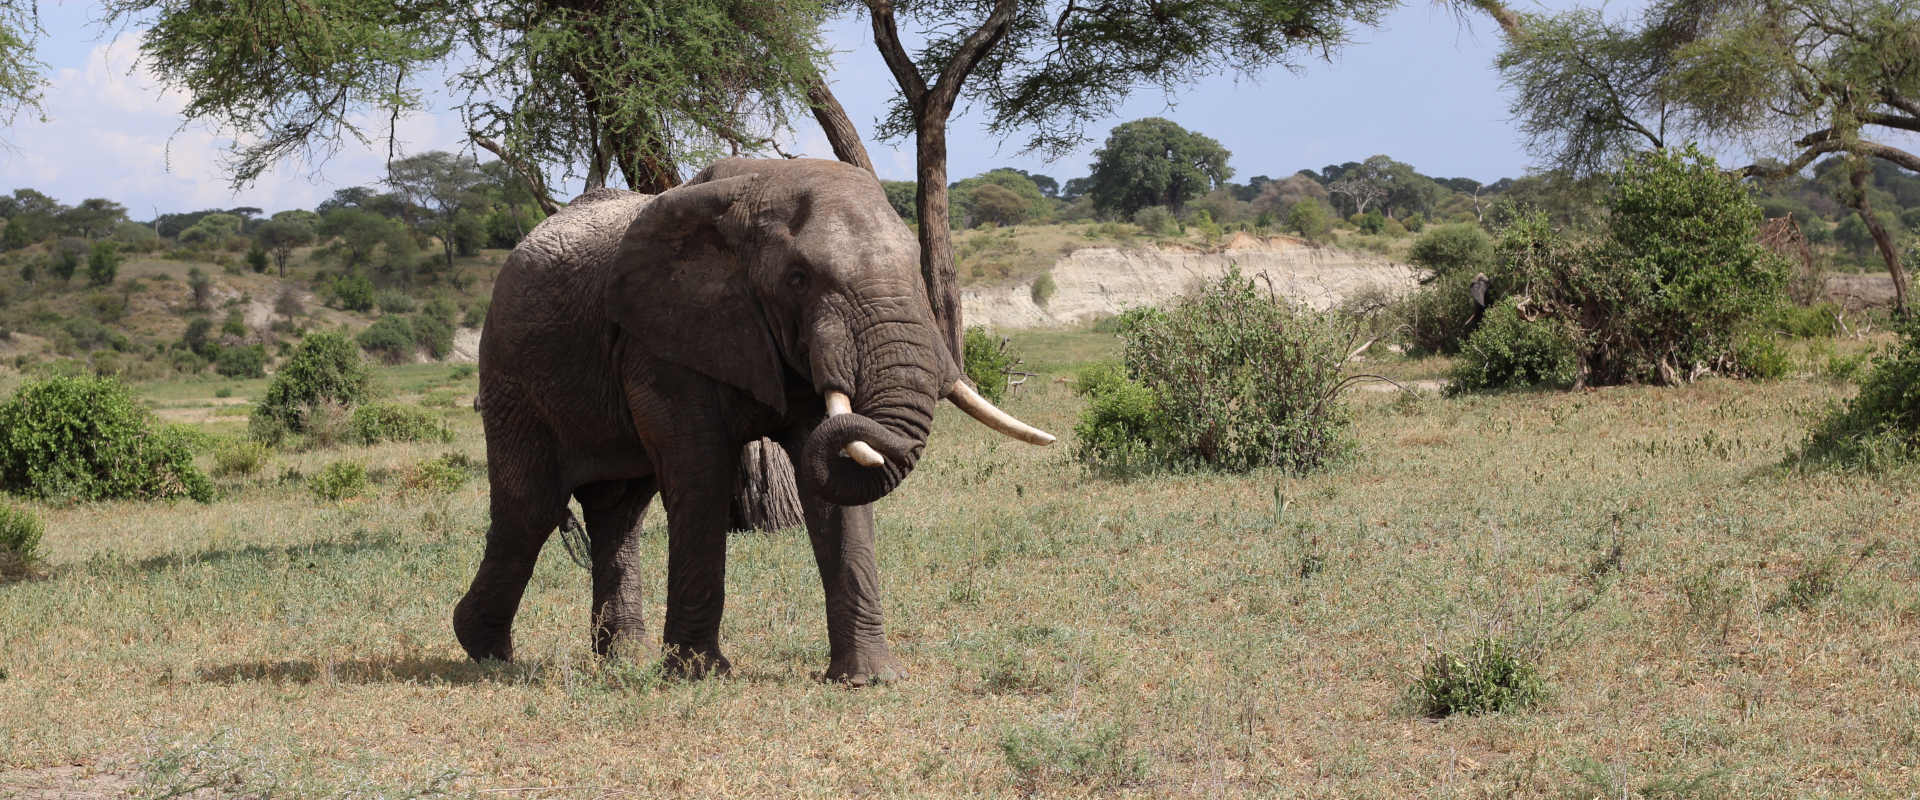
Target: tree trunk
765,498
1864,207
936,236
841,133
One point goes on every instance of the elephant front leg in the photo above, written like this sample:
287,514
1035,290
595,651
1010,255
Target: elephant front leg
856,634
698,504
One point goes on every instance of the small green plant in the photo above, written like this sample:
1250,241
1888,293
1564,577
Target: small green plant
338,481
387,422
438,475
1759,355
1509,351
1880,427
223,392
20,534
987,362
1120,420
1710,600
1814,582
84,438
1061,757
239,458
1043,289
1492,676
244,361
326,370
393,302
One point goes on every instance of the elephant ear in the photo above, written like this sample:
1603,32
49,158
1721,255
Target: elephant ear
680,288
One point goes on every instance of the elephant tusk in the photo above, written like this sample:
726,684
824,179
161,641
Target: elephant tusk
861,452
991,416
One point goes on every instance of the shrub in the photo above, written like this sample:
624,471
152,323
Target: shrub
987,362
353,292
1043,289
1880,427
257,258
103,263
1119,421
238,457
20,533
1453,249
433,335
1238,381
1509,351
476,315
388,422
326,369
1804,322
85,439
244,361
439,475
197,337
1043,756
202,287
393,302
338,481
1491,677
389,337
442,309
1156,221
1370,223
1310,219
1758,355
1434,317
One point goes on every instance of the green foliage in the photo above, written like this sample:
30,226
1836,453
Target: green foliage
1001,197
1310,220
476,315
1453,249
242,361
1434,317
1058,757
1759,355
353,292
1237,380
20,534
1043,289
65,262
442,309
338,481
901,195
389,337
1154,162
103,263
1804,322
1492,676
85,438
1512,352
1372,222
1879,428
238,457
257,259
393,302
326,370
1121,419
388,422
433,334
1156,221
987,362
440,475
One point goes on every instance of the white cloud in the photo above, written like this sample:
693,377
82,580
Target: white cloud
113,131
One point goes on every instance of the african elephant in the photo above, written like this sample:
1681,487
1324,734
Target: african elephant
636,342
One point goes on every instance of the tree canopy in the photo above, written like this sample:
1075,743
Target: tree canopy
1154,162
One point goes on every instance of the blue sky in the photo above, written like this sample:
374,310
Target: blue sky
1420,88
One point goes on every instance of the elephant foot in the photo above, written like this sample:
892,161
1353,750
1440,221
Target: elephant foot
480,639
693,662
867,668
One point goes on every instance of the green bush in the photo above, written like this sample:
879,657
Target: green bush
257,258
338,481
353,293
388,422
389,337
987,362
476,315
325,370
243,361
442,309
433,335
1759,355
20,533
103,263
1511,352
1156,221
393,302
1453,249
1053,760
1370,223
1119,422
1434,317
1491,677
439,475
1880,427
85,438
1804,322
1043,289
1238,381
1310,220
238,457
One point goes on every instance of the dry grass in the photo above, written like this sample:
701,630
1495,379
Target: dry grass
1068,636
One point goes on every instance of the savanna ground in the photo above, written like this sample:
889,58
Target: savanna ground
1708,623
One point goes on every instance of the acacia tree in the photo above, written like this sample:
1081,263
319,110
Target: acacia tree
20,71
606,92
1049,67
1799,78
444,186
1155,162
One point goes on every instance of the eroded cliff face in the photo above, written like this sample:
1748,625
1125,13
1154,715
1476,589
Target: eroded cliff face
1100,281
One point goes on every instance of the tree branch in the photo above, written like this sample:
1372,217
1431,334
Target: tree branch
839,129
886,37
969,53
535,183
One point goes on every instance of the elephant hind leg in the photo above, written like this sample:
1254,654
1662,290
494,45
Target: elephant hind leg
526,505
614,512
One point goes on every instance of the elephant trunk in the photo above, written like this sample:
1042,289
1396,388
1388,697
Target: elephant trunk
868,444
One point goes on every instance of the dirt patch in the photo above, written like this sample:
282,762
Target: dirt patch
67,782
1100,281
466,346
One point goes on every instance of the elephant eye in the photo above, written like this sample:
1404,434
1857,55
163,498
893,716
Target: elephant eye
797,279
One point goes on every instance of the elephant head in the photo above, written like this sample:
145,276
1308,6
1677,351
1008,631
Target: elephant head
767,274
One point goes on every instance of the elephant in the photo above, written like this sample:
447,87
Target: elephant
636,342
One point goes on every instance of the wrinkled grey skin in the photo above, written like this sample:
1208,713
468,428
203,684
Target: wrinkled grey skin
636,343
